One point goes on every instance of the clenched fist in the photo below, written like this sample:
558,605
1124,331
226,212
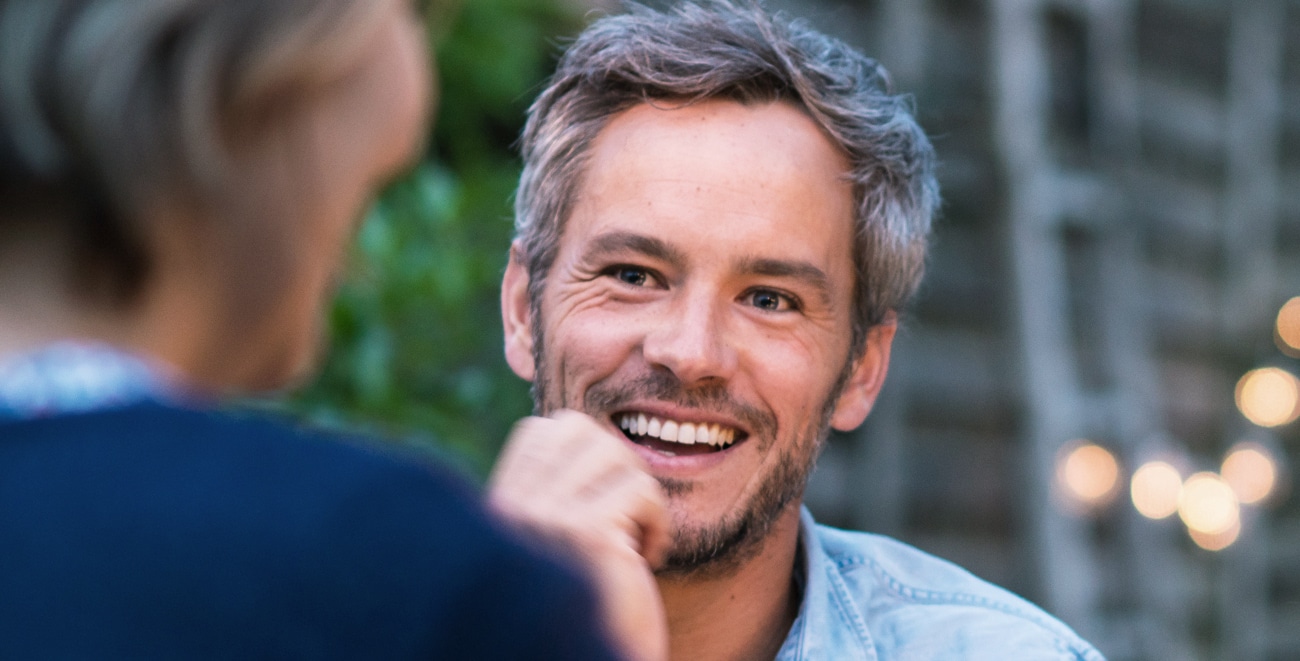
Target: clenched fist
569,479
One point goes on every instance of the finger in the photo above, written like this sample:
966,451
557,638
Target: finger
599,492
573,455
603,488
547,442
632,512
650,512
604,462
571,428
537,450
614,480
515,461
538,485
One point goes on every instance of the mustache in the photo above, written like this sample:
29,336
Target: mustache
664,387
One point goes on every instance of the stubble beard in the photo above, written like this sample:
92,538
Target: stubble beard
720,548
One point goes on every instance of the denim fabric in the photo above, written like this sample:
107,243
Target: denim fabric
869,597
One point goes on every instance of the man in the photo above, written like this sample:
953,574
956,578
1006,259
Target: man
720,215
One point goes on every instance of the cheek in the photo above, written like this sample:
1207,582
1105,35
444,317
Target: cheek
794,374
589,346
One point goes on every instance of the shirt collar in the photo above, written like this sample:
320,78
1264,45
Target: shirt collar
829,625
76,377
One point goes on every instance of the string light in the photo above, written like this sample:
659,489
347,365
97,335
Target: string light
1208,503
1156,488
1251,471
1268,396
1288,327
1210,509
1087,474
1216,541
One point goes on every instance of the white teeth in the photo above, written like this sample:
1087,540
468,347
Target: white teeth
669,431
686,434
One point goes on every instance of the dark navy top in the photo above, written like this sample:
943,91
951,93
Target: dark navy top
156,531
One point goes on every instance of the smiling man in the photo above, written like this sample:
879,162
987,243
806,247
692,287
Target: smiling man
720,216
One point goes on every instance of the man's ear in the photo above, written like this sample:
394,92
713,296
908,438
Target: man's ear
517,316
867,378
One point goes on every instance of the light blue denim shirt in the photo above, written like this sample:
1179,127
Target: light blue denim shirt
869,597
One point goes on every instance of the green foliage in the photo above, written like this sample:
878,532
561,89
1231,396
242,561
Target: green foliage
416,351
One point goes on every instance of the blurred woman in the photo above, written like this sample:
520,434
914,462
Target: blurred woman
178,183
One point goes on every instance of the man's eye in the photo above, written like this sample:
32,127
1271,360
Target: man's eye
631,275
766,299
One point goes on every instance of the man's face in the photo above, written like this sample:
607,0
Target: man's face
702,291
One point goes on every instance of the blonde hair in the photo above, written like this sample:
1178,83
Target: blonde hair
110,106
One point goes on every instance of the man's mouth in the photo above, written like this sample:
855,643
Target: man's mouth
676,437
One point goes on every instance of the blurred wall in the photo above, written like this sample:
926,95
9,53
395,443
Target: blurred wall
1122,186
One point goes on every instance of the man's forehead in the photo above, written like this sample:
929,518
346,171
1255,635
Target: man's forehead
723,126
718,151
757,183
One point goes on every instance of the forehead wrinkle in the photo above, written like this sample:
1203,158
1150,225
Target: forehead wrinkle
783,268
621,241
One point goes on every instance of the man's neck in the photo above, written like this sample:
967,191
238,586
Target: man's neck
744,615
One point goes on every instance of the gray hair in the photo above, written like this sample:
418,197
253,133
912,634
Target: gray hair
718,49
110,106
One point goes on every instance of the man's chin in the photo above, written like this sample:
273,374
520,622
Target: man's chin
710,554
717,549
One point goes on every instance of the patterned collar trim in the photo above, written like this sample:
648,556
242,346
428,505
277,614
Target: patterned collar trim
74,377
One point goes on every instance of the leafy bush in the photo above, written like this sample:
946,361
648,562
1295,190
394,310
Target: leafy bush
416,350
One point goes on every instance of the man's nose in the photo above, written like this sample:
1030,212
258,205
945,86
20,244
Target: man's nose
691,342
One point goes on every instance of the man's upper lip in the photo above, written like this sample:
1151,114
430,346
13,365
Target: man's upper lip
681,414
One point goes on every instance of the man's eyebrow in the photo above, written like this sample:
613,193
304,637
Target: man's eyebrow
797,270
630,241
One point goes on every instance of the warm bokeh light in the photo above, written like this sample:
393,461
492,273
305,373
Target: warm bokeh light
1216,541
1156,488
1268,396
1087,473
1208,505
1288,327
1251,471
